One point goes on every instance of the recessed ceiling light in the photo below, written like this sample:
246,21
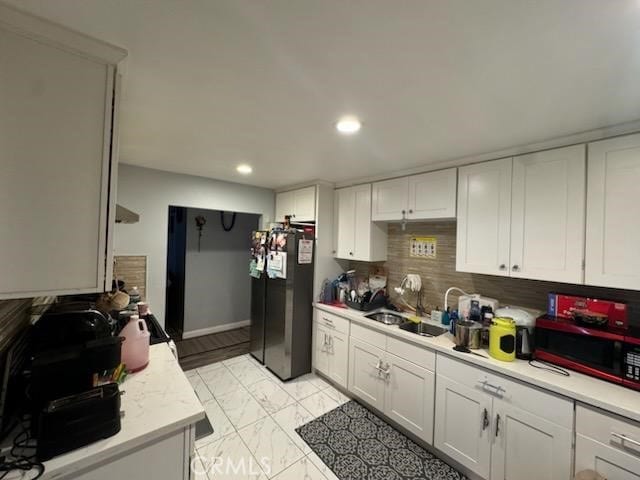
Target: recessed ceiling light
244,169
348,125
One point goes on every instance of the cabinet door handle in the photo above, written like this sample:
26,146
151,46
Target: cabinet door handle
485,419
502,266
495,389
497,424
386,372
351,253
515,268
623,438
410,211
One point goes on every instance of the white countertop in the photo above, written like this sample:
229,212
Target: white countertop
598,393
157,401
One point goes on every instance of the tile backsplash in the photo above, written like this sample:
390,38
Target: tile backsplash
439,273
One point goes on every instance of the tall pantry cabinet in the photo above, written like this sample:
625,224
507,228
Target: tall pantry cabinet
58,130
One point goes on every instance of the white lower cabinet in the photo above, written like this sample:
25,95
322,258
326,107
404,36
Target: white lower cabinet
611,463
400,389
499,428
331,354
409,396
366,378
166,459
462,425
527,447
608,444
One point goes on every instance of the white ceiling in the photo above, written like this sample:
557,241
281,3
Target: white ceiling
213,83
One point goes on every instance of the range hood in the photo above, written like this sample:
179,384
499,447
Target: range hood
124,215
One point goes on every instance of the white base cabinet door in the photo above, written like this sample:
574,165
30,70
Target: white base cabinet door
527,447
366,379
166,459
338,358
410,394
610,462
321,350
331,354
463,425
613,213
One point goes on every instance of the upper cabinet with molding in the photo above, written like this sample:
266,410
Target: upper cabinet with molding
524,217
427,196
357,237
613,213
299,204
59,158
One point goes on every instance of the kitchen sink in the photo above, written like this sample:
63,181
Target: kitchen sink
423,329
386,318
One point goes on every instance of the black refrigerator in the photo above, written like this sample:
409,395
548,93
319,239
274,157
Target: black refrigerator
281,300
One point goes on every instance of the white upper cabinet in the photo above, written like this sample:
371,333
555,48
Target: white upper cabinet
432,195
56,187
304,204
548,215
357,237
284,205
613,213
524,217
390,199
484,217
299,204
427,196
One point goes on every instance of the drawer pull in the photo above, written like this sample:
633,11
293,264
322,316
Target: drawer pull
327,320
496,389
623,438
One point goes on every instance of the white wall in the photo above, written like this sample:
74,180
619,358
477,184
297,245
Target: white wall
150,192
217,282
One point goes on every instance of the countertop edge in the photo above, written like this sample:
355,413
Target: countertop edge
493,365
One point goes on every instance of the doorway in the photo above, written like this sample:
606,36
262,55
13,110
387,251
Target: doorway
208,284
176,251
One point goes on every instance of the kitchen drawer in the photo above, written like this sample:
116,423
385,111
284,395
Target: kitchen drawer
370,336
608,429
528,398
332,322
421,356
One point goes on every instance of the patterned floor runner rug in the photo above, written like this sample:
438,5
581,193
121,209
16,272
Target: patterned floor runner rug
358,445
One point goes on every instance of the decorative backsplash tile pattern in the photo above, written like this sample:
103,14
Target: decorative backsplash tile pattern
439,273
132,269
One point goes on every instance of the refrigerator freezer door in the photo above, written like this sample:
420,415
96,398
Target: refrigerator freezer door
258,301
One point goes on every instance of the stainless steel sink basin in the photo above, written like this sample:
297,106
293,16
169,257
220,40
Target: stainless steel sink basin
386,318
423,329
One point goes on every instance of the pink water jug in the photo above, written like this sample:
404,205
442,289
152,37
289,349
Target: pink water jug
135,347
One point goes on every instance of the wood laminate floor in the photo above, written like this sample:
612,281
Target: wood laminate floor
199,351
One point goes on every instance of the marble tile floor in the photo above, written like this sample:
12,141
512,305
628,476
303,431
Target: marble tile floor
254,416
